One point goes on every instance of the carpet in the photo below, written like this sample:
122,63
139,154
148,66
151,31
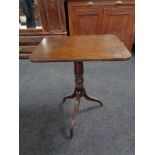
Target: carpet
45,121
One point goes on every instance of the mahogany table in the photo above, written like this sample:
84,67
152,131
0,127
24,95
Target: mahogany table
78,49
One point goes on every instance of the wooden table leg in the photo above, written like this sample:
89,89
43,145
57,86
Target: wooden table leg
69,96
74,114
79,92
91,98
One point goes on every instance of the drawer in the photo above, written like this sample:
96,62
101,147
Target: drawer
30,40
26,49
90,3
33,40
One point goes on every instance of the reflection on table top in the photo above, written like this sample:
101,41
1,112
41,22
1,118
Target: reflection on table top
80,48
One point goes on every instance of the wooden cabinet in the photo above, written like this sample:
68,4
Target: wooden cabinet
103,17
119,21
52,15
82,21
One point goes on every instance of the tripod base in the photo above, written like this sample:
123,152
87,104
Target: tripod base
79,92
82,94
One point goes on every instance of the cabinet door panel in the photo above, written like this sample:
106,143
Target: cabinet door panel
120,21
52,15
85,21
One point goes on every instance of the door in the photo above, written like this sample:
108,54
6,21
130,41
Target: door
120,21
85,20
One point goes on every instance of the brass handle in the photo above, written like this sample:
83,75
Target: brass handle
118,2
90,3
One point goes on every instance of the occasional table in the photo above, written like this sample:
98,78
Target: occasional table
78,49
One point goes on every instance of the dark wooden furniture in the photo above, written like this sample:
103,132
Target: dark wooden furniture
78,49
53,22
103,17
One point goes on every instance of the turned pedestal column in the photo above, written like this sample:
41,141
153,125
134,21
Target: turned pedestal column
79,92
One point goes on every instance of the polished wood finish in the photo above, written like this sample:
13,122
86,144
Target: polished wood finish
80,48
81,3
79,87
39,32
28,44
86,21
27,49
79,92
52,17
30,40
120,21
103,17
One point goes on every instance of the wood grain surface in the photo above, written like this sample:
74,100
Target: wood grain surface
80,48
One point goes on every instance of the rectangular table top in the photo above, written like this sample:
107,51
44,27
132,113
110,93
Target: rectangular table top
80,48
